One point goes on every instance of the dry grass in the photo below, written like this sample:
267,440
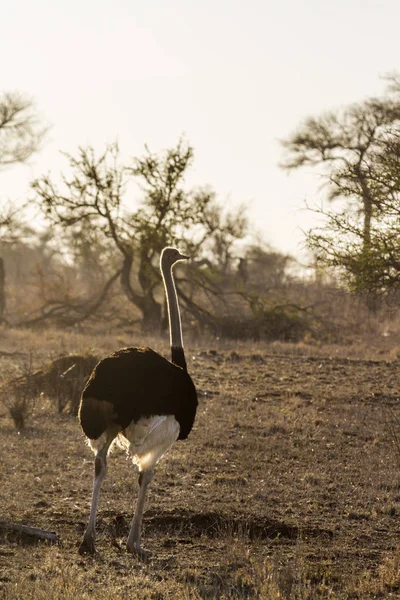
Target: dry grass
288,487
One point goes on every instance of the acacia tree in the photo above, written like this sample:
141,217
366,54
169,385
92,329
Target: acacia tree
357,151
21,135
89,202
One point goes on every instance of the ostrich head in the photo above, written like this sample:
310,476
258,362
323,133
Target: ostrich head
169,256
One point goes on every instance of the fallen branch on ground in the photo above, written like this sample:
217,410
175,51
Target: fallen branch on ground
28,533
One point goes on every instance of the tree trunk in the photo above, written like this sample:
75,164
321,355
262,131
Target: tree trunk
150,309
151,316
367,200
374,302
2,290
367,223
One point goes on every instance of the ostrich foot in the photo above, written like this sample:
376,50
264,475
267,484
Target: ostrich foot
87,546
140,553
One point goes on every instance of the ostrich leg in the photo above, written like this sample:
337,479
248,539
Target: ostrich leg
133,543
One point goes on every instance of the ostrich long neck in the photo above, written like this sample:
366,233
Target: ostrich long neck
175,329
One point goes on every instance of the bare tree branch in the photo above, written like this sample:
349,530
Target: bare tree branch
21,131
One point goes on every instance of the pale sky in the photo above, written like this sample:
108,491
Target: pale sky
234,77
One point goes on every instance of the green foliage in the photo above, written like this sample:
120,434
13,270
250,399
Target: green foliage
372,267
357,149
284,323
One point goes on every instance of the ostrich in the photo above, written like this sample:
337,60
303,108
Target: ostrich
144,402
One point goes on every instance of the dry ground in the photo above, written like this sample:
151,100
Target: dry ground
288,486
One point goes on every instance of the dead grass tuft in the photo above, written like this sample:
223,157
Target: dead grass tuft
61,381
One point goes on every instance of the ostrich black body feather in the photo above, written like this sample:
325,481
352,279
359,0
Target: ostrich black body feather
136,383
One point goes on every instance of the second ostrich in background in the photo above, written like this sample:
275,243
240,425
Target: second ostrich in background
145,402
